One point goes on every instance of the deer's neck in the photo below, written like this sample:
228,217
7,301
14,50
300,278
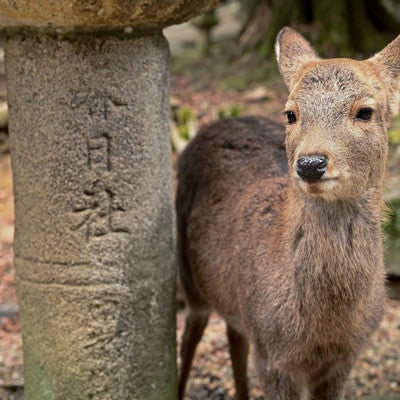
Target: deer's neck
336,246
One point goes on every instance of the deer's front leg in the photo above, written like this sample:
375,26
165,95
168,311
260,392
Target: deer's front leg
281,385
331,386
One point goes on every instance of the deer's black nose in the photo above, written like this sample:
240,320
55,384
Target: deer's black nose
312,168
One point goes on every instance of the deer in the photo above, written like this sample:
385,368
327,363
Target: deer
279,225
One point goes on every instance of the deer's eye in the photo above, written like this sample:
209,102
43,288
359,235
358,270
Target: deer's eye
364,114
291,117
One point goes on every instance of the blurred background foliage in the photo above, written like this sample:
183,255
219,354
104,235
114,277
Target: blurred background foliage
337,28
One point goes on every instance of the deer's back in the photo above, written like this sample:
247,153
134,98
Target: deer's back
240,150
232,178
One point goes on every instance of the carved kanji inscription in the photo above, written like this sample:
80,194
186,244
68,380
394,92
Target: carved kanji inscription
100,208
101,212
99,152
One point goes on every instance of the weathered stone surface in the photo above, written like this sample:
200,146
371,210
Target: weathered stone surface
94,218
100,13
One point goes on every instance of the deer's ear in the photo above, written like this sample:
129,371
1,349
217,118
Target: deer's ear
292,52
389,57
388,61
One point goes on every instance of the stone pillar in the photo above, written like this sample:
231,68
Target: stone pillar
88,119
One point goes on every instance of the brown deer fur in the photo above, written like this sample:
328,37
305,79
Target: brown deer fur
294,265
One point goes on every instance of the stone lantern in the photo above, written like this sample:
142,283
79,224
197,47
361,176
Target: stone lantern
94,248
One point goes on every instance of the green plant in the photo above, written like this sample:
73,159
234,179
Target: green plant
394,136
234,111
392,222
183,126
186,123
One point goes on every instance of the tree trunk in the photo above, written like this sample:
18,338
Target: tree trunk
337,28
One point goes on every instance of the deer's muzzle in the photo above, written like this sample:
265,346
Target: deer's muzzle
311,168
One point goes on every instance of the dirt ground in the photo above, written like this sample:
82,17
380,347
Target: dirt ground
11,365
